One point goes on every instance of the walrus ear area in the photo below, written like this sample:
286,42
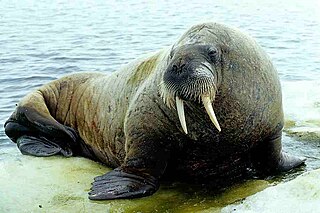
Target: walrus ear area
119,184
224,49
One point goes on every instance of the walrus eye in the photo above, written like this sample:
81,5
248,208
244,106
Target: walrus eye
213,54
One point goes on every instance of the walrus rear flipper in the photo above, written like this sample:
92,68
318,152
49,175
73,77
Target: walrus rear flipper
120,184
31,141
36,132
40,147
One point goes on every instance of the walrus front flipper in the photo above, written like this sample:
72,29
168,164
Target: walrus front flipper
120,184
269,158
288,162
40,147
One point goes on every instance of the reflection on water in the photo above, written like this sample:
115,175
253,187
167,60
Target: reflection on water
43,40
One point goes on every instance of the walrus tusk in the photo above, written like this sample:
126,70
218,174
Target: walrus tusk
208,105
181,115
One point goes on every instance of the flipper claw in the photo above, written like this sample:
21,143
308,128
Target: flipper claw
120,184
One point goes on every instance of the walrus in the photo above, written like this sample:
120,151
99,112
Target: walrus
207,109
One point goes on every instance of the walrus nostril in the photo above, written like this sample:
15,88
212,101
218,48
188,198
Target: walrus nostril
178,69
174,68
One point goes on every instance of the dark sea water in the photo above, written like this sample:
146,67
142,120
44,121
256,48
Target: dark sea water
41,40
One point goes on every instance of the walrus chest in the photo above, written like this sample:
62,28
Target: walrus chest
204,162
206,154
239,128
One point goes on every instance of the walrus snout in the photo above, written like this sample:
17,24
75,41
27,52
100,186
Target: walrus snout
191,75
192,72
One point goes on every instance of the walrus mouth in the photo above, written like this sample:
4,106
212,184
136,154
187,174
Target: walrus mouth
208,106
199,88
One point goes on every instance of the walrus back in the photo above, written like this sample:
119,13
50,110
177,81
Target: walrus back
59,94
38,124
93,104
54,99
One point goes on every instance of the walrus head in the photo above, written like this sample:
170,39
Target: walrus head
192,76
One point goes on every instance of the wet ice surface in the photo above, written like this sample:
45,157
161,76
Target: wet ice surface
299,195
58,184
43,40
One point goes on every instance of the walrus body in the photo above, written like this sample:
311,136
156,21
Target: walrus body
128,121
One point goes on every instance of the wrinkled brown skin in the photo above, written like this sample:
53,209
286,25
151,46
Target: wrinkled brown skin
123,122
